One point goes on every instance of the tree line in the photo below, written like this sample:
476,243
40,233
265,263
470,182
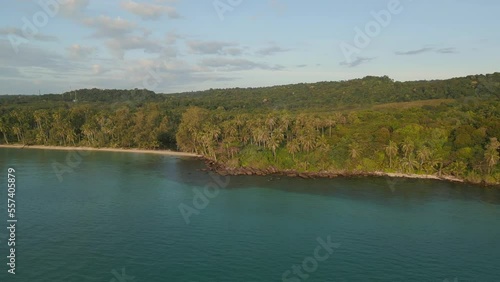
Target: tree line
437,140
146,127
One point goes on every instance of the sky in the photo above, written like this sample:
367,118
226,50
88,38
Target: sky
168,46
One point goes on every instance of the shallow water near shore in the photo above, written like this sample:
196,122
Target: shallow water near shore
116,216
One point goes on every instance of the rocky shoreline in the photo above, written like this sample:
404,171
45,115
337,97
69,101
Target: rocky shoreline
223,170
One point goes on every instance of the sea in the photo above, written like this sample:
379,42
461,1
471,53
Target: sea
116,217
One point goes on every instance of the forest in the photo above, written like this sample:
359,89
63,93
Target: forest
374,124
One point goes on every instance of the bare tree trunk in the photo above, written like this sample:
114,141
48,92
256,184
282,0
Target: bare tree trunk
5,138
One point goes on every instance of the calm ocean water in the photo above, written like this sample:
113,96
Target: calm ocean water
117,217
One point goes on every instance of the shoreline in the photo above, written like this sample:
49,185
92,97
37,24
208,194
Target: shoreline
116,150
223,170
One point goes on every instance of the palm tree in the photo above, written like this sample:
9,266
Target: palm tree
308,140
89,133
69,134
458,168
409,165
293,147
423,155
18,132
354,151
205,138
58,128
229,129
491,154
318,124
261,136
330,122
239,121
408,146
39,116
270,122
20,126
194,145
273,143
285,124
214,132
339,118
435,165
391,150
248,134
4,129
322,144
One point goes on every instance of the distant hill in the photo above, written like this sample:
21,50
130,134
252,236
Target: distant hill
367,91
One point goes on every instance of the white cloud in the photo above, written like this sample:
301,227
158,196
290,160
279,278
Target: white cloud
33,56
121,35
121,44
109,27
358,61
73,7
9,72
414,52
233,64
172,37
77,51
150,11
269,51
210,47
233,51
18,32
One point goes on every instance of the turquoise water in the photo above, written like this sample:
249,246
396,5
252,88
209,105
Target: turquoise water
116,216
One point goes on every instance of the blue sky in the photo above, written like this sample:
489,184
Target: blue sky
184,45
